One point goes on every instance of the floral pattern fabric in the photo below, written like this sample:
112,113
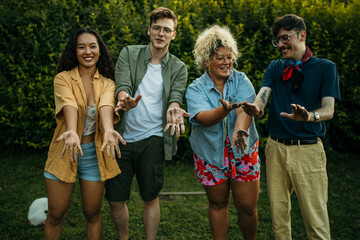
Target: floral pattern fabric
246,169
90,120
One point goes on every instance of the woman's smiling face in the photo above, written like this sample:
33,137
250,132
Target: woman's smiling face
87,50
221,63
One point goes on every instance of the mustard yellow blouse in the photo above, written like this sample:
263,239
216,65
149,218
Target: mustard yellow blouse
69,91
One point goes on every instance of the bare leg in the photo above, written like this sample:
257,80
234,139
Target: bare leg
120,215
151,218
245,196
91,193
59,195
218,197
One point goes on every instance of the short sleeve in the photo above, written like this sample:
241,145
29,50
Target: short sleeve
123,73
267,78
63,93
245,90
330,82
196,101
179,84
107,97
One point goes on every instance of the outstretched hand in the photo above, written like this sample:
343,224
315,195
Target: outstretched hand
72,143
229,105
126,103
239,139
299,113
252,109
175,119
111,142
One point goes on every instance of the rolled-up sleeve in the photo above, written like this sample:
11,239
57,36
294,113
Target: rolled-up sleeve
196,102
179,85
123,73
107,97
245,90
63,95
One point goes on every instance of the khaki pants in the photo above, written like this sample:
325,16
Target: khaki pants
301,168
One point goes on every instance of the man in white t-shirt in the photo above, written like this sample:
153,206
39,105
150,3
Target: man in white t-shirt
150,85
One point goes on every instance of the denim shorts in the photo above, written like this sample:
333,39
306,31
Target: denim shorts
87,167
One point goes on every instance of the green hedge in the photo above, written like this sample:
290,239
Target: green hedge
34,34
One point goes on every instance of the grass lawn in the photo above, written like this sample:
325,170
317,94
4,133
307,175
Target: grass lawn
183,216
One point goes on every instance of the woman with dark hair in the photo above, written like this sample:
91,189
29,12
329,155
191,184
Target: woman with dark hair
84,111
69,59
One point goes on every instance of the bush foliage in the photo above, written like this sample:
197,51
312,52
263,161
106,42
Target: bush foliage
34,34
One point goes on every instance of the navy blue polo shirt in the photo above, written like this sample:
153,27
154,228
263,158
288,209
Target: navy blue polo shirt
321,79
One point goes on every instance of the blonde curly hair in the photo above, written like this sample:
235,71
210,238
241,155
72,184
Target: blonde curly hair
209,42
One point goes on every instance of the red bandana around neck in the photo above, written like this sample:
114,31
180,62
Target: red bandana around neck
295,65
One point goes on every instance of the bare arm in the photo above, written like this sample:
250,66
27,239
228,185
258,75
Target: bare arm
243,120
262,97
299,113
256,109
71,118
242,123
211,117
216,115
111,137
70,137
326,111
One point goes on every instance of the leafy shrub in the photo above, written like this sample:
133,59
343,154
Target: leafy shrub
34,34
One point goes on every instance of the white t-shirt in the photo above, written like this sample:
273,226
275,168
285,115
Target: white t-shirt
145,119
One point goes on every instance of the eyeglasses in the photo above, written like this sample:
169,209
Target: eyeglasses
284,39
157,29
223,59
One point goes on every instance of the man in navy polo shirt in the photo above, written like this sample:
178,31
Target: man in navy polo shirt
303,91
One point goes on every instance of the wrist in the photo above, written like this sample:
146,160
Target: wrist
108,129
241,131
174,105
316,116
261,112
227,109
121,95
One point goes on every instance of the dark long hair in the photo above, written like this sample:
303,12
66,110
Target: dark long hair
69,59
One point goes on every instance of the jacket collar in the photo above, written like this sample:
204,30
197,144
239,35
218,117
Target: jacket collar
75,75
210,84
148,56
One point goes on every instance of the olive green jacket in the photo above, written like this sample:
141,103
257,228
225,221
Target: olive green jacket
130,69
